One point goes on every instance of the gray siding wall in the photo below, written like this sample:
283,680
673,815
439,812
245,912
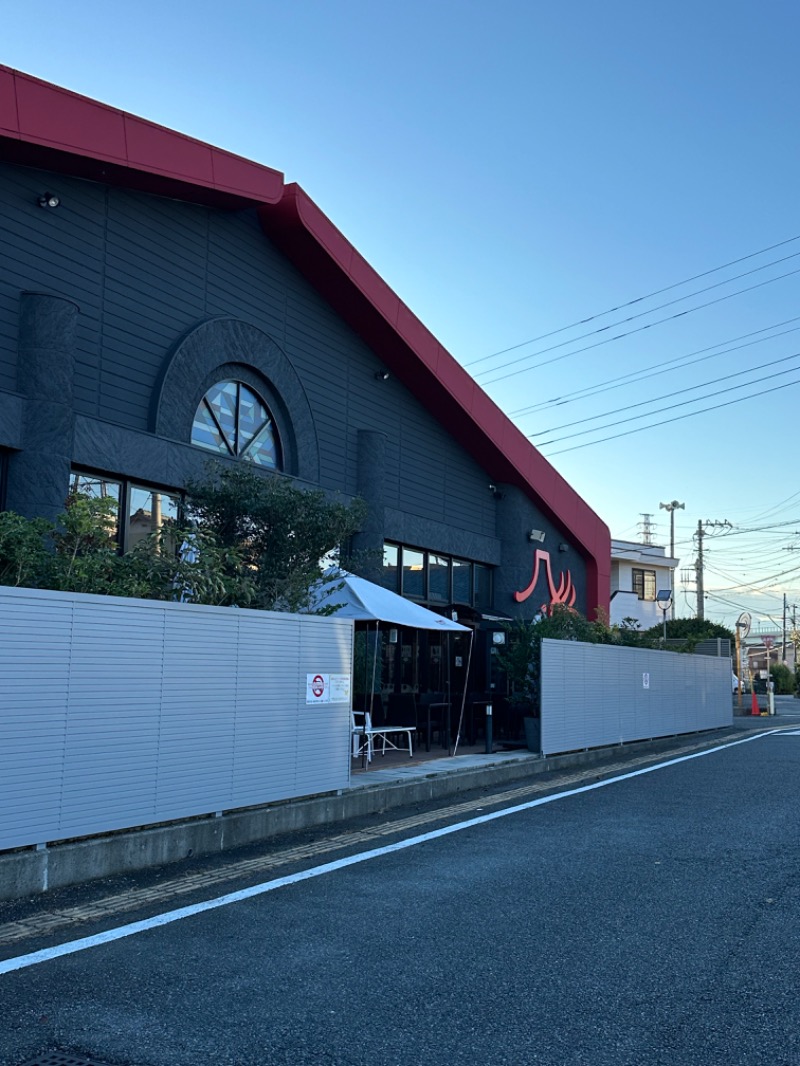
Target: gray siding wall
144,270
117,713
595,694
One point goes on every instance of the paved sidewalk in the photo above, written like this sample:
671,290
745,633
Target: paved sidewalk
392,771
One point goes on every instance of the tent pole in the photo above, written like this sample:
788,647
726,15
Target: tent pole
371,696
464,693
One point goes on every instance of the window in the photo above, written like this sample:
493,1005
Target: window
462,581
644,584
232,420
434,578
413,574
148,510
139,510
390,575
439,578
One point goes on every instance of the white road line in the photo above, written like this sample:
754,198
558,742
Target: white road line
71,947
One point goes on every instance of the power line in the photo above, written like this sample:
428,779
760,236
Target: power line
678,418
680,361
629,333
668,395
671,407
774,527
630,303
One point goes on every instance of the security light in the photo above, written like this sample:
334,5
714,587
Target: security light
49,199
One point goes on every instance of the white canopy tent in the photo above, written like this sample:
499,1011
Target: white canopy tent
364,601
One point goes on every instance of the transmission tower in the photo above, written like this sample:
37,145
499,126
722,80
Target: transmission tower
646,529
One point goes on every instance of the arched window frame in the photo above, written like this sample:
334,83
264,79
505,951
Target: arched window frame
262,445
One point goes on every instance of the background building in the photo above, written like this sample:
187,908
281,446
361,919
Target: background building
638,572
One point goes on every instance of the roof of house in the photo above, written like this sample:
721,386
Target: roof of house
50,127
635,551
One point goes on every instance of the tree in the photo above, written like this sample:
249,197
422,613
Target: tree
284,536
255,542
24,558
691,631
784,679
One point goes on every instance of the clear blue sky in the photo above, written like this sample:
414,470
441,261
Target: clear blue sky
512,168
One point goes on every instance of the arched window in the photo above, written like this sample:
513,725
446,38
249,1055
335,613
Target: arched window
232,420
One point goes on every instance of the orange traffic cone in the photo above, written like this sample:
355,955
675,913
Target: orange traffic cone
755,709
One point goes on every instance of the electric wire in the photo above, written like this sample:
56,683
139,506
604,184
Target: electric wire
638,299
667,396
677,418
670,407
628,333
668,365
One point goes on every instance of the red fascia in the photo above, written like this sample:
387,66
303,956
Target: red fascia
46,126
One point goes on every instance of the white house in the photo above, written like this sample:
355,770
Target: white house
638,573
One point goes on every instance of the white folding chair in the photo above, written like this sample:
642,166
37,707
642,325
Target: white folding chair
364,735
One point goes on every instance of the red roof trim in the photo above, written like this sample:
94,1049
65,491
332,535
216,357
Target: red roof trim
54,127
47,116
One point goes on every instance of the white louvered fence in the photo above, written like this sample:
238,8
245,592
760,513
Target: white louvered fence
594,695
117,713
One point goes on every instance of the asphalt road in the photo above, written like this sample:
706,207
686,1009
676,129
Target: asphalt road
651,920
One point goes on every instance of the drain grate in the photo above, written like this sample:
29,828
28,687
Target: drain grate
62,1058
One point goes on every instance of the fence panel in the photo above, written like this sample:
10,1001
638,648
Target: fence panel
117,713
597,694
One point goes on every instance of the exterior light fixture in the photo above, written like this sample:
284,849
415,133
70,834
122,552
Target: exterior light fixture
536,535
49,199
381,375
664,601
563,547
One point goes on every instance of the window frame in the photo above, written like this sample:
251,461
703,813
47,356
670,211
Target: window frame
126,488
233,449
640,579
399,584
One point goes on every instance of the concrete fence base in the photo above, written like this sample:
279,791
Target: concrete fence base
32,871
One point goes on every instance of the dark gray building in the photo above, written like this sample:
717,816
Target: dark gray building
162,300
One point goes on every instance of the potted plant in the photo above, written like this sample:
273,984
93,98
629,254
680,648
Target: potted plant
519,659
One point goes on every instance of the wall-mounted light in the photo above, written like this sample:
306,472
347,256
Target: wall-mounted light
536,535
563,547
381,375
49,199
498,495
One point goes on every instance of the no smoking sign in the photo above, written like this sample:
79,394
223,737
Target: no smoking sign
318,689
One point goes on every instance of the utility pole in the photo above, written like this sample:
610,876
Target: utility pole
701,608
783,641
701,532
671,508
